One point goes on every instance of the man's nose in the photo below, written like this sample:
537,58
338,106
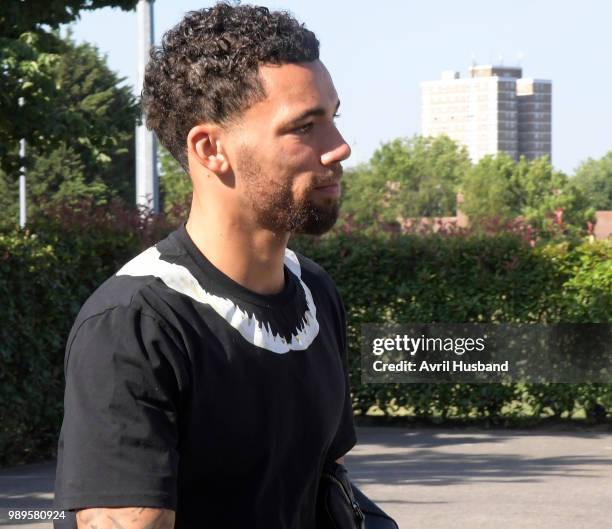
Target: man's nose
338,153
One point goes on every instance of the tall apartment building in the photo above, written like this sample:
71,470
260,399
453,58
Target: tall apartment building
494,109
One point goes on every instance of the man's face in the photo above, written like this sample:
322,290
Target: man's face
287,151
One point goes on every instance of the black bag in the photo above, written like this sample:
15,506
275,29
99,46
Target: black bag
341,505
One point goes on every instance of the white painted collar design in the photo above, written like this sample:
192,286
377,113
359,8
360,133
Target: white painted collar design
260,334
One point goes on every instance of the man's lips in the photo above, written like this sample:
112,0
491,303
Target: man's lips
332,189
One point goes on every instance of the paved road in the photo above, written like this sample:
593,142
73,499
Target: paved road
26,487
442,479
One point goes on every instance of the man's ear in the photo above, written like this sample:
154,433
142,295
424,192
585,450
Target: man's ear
205,148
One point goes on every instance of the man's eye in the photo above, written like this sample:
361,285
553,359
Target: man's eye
307,127
337,115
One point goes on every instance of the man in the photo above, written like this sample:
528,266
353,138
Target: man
206,382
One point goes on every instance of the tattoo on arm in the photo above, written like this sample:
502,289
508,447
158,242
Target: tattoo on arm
125,518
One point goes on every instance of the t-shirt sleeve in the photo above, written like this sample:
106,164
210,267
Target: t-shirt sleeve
345,437
119,440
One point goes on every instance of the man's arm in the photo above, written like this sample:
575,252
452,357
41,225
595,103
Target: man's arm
123,433
125,518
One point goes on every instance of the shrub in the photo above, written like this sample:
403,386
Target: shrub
46,273
391,278
49,270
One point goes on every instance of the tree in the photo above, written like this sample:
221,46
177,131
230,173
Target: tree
107,112
97,158
594,179
497,187
26,73
361,193
541,194
410,177
30,49
487,189
29,15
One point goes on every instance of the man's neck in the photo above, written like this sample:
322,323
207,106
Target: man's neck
253,258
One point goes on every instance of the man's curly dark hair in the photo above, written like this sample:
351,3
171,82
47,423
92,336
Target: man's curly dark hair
206,69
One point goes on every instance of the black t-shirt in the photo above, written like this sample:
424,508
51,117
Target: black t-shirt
186,391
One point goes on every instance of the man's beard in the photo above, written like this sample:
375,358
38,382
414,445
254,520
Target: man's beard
277,210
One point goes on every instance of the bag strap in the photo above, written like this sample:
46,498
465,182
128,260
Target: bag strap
338,473
370,509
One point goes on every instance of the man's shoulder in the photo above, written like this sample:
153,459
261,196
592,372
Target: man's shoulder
136,285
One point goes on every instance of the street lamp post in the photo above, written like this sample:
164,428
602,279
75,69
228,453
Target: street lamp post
147,181
22,179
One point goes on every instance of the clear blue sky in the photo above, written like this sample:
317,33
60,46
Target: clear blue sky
379,51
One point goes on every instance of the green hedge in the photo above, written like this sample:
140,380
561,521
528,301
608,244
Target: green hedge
450,279
48,271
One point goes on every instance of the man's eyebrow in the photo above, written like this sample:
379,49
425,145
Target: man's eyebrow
312,112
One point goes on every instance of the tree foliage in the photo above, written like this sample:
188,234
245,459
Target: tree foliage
80,134
107,111
409,177
487,189
498,187
594,179
20,16
420,177
27,66
31,52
